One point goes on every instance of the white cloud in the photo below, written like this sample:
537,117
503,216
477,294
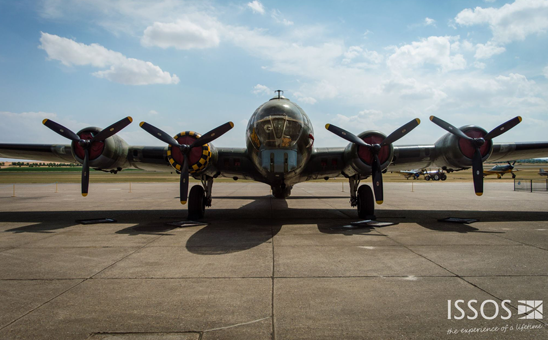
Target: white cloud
432,50
479,65
262,90
429,22
256,7
19,127
488,50
279,18
153,112
545,72
122,70
411,89
510,22
351,53
182,34
304,99
504,92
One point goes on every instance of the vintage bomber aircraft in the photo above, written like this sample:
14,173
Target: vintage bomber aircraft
280,152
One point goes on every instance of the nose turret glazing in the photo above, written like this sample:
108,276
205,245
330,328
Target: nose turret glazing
278,123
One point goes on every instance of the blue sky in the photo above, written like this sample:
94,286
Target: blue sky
193,65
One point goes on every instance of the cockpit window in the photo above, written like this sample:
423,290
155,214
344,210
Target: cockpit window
278,125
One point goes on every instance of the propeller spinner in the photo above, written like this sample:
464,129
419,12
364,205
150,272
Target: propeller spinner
185,149
86,144
477,143
375,149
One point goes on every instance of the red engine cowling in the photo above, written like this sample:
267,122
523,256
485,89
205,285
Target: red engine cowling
359,159
106,155
198,157
457,153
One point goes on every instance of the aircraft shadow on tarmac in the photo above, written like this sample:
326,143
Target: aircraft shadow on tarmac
256,222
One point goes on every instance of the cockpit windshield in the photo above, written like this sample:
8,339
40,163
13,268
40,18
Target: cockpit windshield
278,123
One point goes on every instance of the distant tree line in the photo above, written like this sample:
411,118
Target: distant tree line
532,160
42,164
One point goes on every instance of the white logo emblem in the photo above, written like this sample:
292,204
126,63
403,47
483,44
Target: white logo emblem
531,309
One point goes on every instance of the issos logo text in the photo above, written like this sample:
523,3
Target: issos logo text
459,309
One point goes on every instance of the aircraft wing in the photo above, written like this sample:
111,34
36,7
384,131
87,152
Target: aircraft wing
39,152
229,162
330,162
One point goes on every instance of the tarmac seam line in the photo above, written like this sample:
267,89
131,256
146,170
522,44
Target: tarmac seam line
124,257
37,307
273,275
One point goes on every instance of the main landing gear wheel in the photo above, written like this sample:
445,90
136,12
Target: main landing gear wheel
366,203
513,175
196,202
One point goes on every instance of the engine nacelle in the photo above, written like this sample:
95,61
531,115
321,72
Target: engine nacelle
111,154
198,157
359,159
457,153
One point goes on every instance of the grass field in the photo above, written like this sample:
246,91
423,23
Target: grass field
72,175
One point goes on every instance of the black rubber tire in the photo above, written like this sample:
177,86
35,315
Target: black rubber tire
196,202
513,175
443,177
366,203
436,177
427,177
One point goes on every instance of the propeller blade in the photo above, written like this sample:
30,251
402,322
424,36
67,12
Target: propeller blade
377,180
450,128
346,135
60,129
85,173
113,129
402,131
161,135
499,130
477,172
183,185
514,163
213,134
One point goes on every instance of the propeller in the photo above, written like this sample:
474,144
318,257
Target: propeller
185,149
87,143
376,169
477,143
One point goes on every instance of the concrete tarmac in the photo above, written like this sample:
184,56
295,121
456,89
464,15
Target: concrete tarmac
262,268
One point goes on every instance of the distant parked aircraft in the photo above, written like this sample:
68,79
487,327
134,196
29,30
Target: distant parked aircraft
542,172
500,170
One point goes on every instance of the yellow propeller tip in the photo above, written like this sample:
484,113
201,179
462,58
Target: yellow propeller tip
379,202
183,202
327,126
231,124
418,120
84,194
520,119
141,123
479,193
130,119
44,121
431,117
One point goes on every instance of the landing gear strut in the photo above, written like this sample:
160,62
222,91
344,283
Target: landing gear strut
362,197
199,198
